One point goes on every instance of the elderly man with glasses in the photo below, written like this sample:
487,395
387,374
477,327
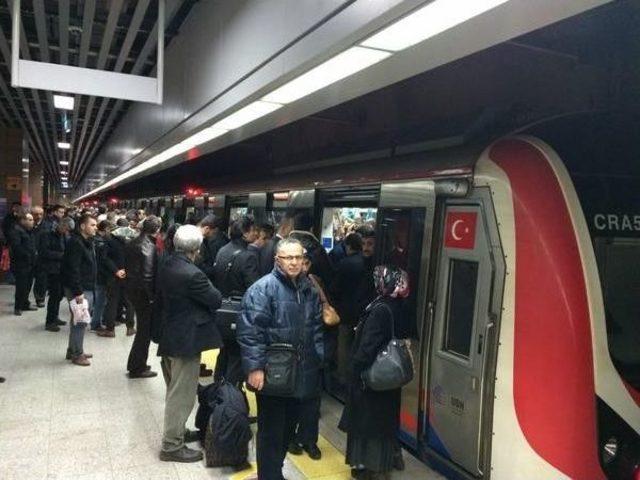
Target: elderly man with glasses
281,308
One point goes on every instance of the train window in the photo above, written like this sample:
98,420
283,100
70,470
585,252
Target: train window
337,222
236,212
463,279
619,265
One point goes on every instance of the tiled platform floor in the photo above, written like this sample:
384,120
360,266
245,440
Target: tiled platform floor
59,421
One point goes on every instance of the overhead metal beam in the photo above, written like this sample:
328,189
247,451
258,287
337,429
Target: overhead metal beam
63,11
136,21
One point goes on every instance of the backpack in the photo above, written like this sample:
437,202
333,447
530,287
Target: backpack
223,421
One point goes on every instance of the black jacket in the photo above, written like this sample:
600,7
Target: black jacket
22,249
208,252
344,290
104,264
140,260
8,222
79,265
243,272
268,253
186,301
275,310
368,413
51,251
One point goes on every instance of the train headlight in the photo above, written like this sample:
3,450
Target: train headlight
610,450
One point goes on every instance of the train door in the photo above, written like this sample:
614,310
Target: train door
465,307
257,207
403,237
237,206
341,211
215,205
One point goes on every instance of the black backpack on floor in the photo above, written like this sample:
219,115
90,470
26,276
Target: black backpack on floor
223,421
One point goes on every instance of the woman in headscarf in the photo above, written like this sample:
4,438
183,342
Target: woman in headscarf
371,419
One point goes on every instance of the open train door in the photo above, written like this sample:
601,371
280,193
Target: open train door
464,308
404,226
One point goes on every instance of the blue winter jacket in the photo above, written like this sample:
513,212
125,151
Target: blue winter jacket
274,310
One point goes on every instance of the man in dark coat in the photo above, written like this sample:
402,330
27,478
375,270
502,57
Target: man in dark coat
79,275
52,247
23,260
114,262
11,219
320,263
186,327
39,275
235,270
281,307
214,239
268,252
141,260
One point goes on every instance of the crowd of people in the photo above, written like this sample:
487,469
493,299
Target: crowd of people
166,282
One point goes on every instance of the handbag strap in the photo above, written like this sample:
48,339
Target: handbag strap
228,268
393,321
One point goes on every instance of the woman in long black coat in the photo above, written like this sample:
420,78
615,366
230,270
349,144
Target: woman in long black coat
371,419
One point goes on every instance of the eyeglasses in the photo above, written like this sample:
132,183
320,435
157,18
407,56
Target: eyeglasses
291,258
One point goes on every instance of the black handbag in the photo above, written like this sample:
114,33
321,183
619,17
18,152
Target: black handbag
393,366
281,370
227,314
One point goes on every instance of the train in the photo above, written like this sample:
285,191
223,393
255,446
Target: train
524,257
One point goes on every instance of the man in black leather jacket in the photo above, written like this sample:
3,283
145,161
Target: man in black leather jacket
141,260
23,260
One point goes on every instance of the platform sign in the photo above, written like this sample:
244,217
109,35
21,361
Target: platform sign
460,230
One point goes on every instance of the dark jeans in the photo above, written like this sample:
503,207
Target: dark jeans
116,294
54,283
40,285
140,349
24,281
229,364
277,419
307,432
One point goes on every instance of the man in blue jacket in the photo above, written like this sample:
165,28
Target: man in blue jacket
281,307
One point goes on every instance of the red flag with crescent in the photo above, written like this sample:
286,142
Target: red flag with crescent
460,230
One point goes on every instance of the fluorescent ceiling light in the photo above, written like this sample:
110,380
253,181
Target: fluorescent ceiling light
335,69
25,170
64,145
248,114
63,162
64,102
204,136
25,160
64,173
427,22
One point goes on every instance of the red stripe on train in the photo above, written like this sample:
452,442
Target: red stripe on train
554,390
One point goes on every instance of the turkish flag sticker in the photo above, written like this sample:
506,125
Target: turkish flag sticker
460,230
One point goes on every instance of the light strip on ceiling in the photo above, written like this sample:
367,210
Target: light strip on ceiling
333,70
248,114
63,102
428,21
64,145
424,23
63,162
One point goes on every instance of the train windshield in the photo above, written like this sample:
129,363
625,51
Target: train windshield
619,266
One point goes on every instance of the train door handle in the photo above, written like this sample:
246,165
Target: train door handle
474,383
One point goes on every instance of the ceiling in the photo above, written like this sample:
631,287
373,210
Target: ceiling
113,35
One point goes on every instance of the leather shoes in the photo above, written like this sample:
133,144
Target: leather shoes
191,436
183,455
40,304
295,448
130,331
88,355
52,327
144,374
60,322
313,451
106,333
17,312
81,360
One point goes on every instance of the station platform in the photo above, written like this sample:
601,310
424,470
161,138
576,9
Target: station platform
63,422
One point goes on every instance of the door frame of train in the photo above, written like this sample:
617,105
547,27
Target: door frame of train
480,197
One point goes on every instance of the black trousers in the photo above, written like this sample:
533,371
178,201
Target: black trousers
140,349
277,419
229,364
308,425
40,285
116,295
24,281
54,283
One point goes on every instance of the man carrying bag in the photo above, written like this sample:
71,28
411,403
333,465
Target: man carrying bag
280,333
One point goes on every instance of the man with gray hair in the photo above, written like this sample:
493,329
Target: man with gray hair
282,308
52,246
186,305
